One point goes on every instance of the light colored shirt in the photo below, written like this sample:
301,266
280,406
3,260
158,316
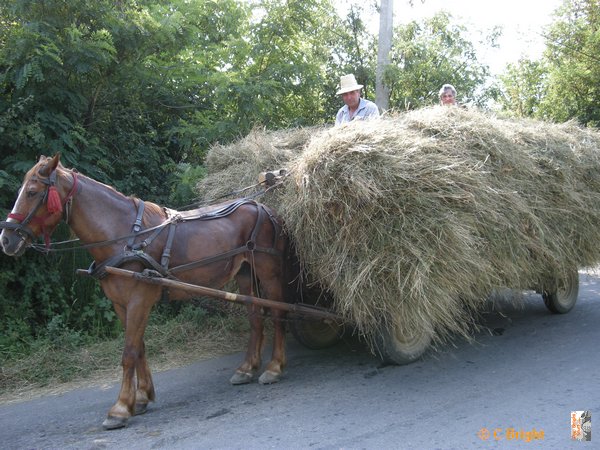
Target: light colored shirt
366,110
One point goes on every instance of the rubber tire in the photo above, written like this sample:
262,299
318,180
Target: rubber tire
314,333
563,299
395,348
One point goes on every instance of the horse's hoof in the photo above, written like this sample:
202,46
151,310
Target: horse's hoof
112,423
269,377
241,378
140,408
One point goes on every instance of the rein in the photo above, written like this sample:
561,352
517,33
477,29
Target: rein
135,251
42,248
51,247
267,184
55,205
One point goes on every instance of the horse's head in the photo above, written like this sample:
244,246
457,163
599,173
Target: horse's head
38,208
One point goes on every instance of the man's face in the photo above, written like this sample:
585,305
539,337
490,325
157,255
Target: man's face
352,98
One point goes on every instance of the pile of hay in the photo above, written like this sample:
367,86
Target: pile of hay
234,168
416,218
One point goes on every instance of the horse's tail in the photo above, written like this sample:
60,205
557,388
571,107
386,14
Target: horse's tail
290,263
298,287
294,273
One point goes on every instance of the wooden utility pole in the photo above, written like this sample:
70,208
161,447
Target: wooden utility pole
386,27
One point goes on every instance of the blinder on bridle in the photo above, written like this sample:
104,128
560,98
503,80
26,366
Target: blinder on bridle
53,205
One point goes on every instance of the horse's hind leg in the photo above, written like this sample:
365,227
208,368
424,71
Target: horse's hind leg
252,361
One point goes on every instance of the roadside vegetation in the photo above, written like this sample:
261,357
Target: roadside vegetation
135,93
178,334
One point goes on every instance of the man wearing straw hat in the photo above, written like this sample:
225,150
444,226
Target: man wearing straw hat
355,107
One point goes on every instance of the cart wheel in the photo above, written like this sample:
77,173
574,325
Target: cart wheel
562,298
314,333
395,346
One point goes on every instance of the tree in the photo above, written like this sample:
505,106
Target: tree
280,75
350,48
427,54
572,49
113,86
103,83
523,86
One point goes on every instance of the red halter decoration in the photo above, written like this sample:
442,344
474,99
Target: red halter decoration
54,205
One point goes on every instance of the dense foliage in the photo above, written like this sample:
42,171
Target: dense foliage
573,46
426,55
564,83
523,86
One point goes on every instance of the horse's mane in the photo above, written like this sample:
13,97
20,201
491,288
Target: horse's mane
150,208
153,208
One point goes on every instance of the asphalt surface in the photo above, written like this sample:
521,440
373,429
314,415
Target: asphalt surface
514,387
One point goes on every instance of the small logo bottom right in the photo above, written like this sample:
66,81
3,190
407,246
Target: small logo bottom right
581,425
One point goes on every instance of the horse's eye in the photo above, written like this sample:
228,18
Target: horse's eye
31,194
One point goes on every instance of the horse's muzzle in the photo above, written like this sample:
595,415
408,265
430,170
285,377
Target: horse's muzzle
13,244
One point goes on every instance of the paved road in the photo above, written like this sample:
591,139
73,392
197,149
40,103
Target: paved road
524,377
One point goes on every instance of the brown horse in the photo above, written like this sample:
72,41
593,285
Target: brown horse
210,246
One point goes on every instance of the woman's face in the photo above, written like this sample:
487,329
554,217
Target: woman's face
448,98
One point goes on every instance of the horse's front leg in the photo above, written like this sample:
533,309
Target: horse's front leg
252,361
274,368
135,320
144,393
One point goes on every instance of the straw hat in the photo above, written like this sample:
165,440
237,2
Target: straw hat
348,84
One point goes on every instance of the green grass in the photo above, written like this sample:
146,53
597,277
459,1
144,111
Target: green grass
172,340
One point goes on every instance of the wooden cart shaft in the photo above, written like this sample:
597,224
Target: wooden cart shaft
295,308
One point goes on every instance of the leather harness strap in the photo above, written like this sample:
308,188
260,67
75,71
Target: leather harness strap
135,253
250,244
98,270
137,225
166,256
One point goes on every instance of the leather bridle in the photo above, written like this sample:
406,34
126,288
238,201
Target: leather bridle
21,227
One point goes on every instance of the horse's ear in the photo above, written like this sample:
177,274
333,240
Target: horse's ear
53,203
51,164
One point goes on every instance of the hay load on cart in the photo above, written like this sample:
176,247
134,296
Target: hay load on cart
411,221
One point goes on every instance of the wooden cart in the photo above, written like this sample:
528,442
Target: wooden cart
319,327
